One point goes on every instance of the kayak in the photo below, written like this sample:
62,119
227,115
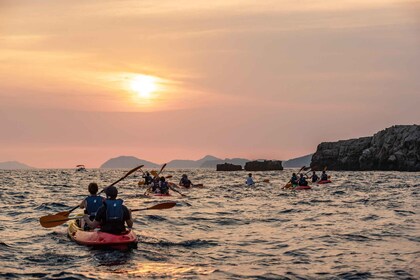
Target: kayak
303,188
324,182
97,238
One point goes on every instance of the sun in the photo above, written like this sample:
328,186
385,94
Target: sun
143,85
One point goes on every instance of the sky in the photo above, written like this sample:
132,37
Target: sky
85,81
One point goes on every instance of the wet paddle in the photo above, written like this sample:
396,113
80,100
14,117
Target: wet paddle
65,214
54,220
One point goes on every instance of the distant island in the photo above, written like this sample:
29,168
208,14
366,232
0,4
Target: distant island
208,161
128,162
13,165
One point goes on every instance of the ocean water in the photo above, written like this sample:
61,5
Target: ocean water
365,225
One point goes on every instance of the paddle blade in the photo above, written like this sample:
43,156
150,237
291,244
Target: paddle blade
50,221
160,206
266,181
169,177
161,169
154,173
198,185
141,183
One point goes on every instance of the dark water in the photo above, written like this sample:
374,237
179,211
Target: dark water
364,227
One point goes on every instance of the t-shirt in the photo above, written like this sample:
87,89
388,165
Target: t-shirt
115,226
249,181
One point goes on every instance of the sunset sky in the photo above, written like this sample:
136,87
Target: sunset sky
84,81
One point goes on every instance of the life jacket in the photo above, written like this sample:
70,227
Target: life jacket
324,177
114,210
314,178
302,181
185,182
163,186
148,179
93,202
294,180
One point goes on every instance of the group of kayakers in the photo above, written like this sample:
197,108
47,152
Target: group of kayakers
302,180
160,185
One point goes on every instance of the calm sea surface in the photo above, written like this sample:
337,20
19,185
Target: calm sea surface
362,226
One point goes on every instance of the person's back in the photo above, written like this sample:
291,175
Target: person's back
93,202
147,179
302,180
249,180
314,177
163,186
324,176
185,182
294,179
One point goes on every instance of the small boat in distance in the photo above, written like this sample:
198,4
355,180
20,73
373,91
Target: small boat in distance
80,167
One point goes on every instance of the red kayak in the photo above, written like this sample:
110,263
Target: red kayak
303,188
97,238
324,182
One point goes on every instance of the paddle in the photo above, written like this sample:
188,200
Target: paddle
59,220
65,214
176,190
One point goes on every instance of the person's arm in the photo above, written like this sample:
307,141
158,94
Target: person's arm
91,224
130,221
83,204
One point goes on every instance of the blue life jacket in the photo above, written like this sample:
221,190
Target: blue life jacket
114,210
93,203
302,181
164,189
294,180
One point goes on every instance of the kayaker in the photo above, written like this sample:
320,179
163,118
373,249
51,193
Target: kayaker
249,180
314,177
324,176
155,185
112,215
163,186
147,178
294,179
185,182
92,203
302,180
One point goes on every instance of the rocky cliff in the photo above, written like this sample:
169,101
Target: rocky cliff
228,167
265,165
395,148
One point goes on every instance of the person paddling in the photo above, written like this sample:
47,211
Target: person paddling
92,203
314,177
185,182
294,179
163,186
302,180
324,176
112,215
147,178
249,180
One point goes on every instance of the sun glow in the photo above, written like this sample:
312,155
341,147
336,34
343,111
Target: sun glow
144,85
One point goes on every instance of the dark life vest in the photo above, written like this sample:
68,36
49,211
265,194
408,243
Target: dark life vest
314,178
324,177
164,189
92,204
114,210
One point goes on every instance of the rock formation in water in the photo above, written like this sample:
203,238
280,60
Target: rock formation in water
228,167
396,148
265,165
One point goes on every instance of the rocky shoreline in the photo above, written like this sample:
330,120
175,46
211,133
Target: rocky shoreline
393,149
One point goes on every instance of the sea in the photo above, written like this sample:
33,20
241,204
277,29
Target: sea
364,225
